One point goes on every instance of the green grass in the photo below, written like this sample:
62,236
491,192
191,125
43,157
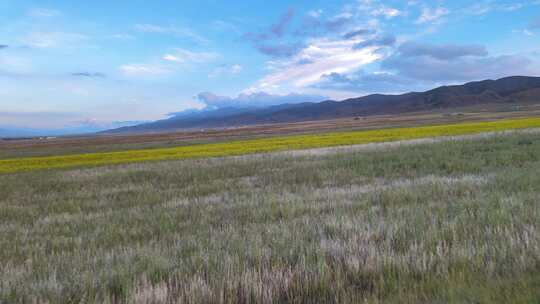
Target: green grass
447,222
260,145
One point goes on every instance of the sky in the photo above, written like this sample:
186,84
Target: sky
68,64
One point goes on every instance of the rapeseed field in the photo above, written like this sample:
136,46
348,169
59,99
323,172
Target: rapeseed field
272,144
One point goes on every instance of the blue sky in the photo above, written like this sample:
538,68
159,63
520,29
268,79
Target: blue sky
71,64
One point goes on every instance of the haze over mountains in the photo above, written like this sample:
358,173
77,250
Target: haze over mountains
84,128
510,90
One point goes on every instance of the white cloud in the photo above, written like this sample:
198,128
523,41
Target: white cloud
377,10
14,65
53,39
151,28
169,64
225,26
388,12
488,6
144,70
365,4
320,57
234,69
480,8
173,58
121,37
43,13
513,7
171,30
315,13
255,99
184,56
429,15
525,32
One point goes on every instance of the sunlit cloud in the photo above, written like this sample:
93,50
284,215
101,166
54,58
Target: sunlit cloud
144,70
179,55
432,15
320,57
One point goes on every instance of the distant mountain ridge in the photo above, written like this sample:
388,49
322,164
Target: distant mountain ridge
7,132
513,89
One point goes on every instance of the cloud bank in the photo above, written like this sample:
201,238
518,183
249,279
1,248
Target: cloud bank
259,99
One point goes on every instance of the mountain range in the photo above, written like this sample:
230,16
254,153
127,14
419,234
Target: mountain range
80,129
509,90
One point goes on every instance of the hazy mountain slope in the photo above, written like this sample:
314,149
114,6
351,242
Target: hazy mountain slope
201,119
506,90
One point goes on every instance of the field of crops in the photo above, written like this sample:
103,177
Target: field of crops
242,147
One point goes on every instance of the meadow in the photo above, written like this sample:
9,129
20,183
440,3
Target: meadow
262,145
453,221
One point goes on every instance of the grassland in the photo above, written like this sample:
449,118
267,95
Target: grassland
241,147
446,222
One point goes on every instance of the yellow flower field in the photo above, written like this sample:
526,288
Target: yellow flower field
241,147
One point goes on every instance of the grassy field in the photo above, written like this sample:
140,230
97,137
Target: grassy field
446,222
272,144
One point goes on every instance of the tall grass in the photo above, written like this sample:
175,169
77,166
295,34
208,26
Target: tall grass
261,145
454,221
